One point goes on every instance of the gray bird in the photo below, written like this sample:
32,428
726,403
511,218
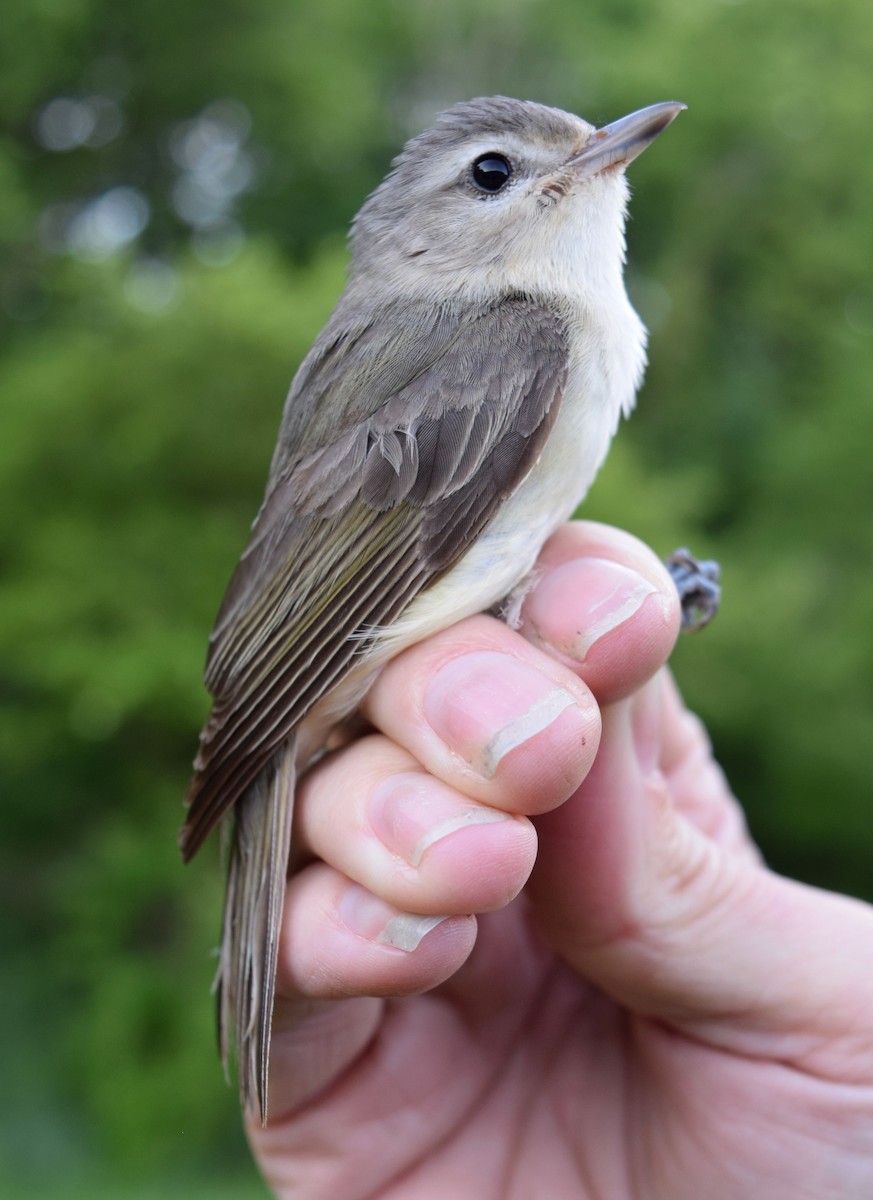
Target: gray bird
451,414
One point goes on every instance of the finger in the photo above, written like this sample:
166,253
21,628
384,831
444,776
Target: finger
375,815
626,646
490,715
340,943
671,925
678,744
605,606
338,940
602,607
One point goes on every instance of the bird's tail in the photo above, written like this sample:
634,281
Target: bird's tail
246,981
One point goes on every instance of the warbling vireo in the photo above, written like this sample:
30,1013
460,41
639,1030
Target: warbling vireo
451,414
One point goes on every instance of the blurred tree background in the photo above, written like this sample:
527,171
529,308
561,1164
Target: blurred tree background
175,183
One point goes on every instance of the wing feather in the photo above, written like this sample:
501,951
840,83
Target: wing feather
420,471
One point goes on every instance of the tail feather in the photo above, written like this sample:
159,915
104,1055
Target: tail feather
246,980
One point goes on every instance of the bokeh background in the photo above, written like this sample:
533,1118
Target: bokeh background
175,184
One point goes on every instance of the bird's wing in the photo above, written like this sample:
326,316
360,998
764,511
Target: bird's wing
352,530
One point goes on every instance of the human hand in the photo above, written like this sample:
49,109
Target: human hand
639,1009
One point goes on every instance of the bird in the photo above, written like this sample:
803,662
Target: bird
450,415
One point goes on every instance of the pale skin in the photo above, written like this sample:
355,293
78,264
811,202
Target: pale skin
639,1008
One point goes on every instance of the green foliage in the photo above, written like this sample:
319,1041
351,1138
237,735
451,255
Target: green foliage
142,386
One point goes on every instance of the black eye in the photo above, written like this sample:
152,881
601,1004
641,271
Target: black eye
491,172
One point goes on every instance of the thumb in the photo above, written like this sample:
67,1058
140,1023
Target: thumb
646,885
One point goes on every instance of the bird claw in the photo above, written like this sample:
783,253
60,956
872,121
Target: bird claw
698,588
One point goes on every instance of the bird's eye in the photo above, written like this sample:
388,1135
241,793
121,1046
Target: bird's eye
491,172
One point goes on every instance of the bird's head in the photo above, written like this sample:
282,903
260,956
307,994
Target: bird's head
504,195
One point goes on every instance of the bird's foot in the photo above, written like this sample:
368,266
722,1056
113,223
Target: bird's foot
698,588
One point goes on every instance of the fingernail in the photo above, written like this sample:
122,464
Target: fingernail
411,812
485,704
609,595
369,917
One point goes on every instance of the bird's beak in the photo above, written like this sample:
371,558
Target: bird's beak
620,143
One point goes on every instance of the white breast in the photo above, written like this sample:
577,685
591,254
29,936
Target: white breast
606,363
